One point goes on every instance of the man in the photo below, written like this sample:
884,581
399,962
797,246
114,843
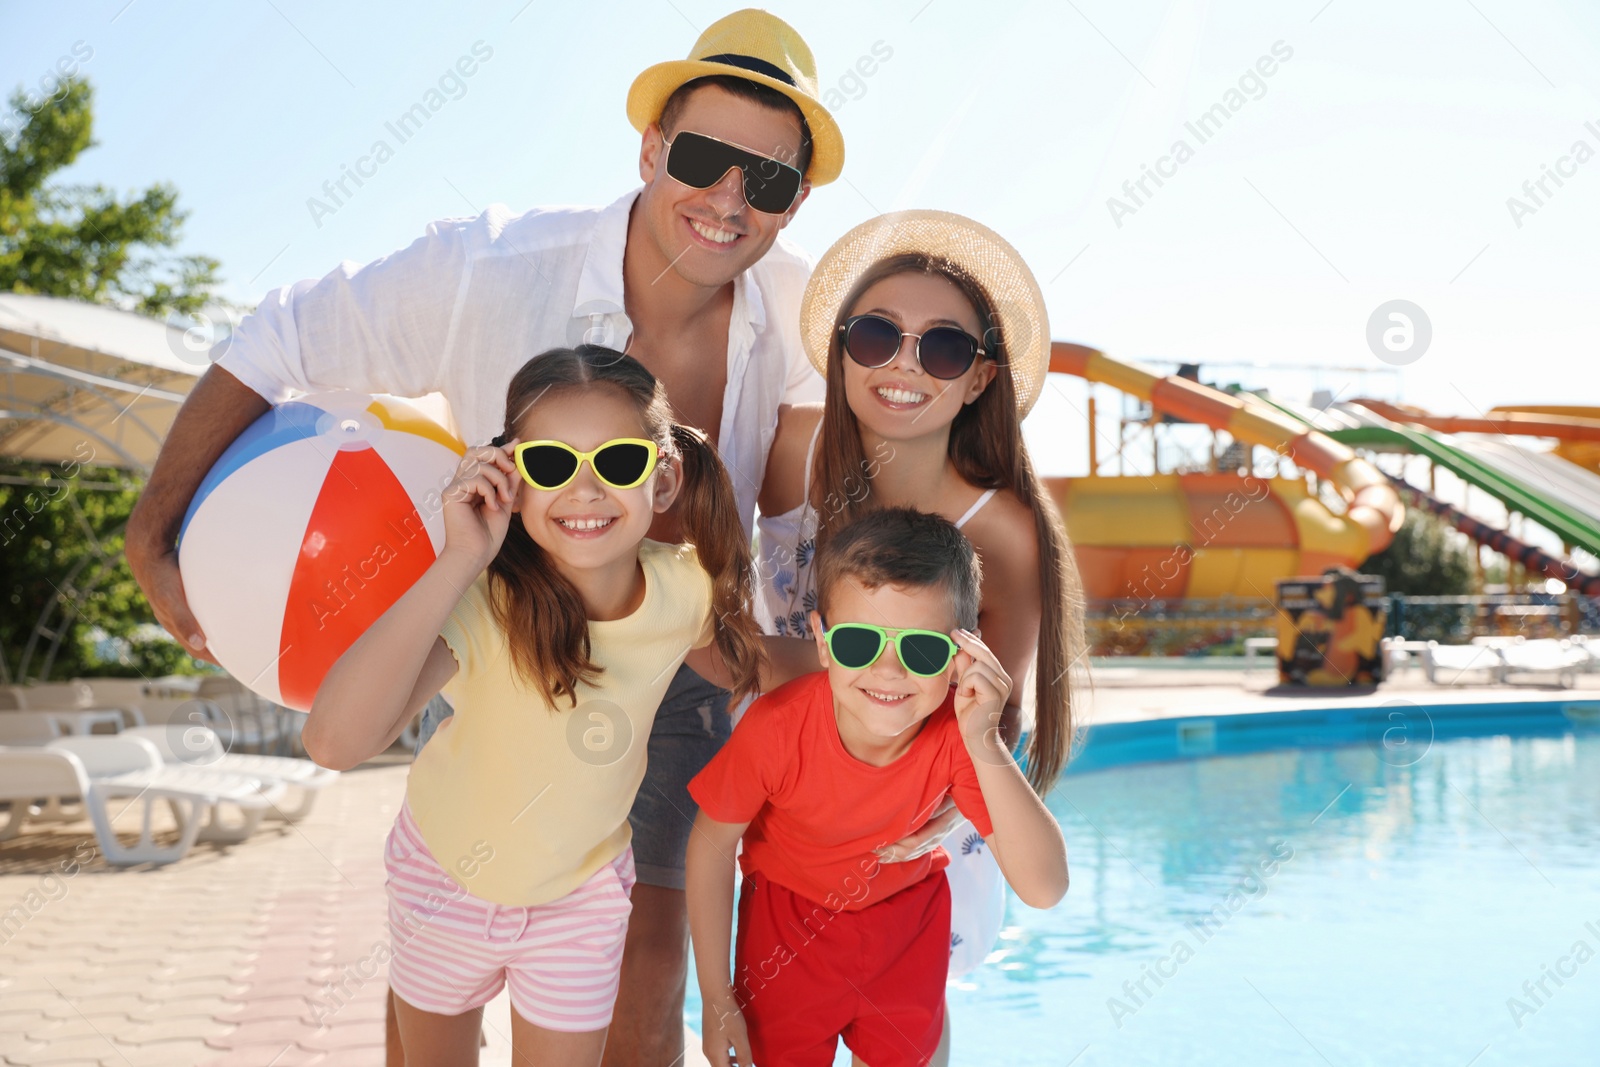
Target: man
686,274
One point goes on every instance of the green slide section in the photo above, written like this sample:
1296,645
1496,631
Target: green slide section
1572,526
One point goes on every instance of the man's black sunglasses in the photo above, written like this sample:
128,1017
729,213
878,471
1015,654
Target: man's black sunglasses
700,162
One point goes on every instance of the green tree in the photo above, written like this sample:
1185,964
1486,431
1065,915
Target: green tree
61,559
86,242
61,562
1423,560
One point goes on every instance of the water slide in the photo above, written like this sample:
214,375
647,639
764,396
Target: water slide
1585,452
1559,495
1193,535
1576,430
1534,559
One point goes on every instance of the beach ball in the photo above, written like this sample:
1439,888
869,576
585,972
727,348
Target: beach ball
316,520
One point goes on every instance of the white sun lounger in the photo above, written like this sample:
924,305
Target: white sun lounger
101,770
35,729
1545,657
1445,664
28,728
197,746
244,720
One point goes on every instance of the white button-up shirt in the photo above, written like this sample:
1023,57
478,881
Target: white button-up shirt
461,309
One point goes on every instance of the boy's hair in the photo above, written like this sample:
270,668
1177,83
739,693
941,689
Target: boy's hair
902,547
745,89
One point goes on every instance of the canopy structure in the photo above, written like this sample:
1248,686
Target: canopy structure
93,386
87,383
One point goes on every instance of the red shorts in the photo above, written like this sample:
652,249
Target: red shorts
807,976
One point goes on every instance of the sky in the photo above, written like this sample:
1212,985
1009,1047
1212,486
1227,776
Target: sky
1367,152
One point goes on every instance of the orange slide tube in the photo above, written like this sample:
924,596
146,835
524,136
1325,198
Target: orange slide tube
1372,504
1554,423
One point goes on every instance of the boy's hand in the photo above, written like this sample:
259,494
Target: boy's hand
480,502
722,1023
982,688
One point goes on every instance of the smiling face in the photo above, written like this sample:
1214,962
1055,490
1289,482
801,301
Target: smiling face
900,401
883,703
710,236
587,524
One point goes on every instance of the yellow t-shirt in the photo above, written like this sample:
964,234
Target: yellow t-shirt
522,802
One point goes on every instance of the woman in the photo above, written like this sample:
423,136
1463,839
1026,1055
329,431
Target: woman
934,339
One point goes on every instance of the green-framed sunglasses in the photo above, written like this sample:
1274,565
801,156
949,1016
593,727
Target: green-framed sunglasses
857,646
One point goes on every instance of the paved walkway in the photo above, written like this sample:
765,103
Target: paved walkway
269,952
252,954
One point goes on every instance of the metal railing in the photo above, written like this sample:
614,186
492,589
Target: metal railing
1222,626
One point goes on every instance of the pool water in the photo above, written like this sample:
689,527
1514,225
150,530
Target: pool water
1311,907
1362,904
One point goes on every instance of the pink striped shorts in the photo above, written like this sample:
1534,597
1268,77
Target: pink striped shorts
453,952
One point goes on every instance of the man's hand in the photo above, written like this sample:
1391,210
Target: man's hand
157,574
218,409
722,1023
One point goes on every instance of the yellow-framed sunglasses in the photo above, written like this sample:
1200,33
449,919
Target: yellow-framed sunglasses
622,463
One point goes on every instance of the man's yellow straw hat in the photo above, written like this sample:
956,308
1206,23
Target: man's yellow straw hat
758,47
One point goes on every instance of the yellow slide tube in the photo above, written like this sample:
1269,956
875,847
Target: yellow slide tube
1373,512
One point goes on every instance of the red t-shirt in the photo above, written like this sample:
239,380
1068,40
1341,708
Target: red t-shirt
817,813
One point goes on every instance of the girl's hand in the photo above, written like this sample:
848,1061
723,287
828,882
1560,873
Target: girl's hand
982,688
723,1027
926,838
480,502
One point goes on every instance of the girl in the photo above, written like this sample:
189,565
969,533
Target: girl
934,339
554,627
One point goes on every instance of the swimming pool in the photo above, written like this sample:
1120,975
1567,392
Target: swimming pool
1383,886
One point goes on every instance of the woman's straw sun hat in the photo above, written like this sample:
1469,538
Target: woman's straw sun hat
942,235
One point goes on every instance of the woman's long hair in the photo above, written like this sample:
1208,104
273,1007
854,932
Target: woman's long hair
540,612
987,450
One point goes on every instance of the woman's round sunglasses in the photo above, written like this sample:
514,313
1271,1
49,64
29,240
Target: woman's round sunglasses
945,352
857,646
623,463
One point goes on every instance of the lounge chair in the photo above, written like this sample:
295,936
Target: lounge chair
36,729
1545,656
102,769
27,774
247,722
1445,664
73,703
30,728
199,746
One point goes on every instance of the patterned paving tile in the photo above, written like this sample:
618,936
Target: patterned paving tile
222,958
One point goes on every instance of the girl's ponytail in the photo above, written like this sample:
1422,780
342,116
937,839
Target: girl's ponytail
709,515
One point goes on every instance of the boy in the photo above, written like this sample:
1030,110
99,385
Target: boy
822,773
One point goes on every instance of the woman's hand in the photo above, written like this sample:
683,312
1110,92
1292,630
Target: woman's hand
480,502
982,689
926,838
